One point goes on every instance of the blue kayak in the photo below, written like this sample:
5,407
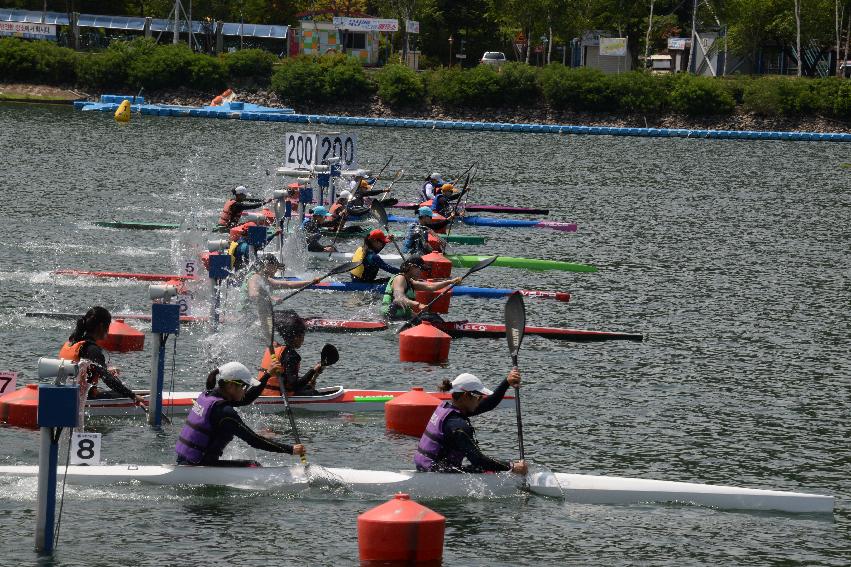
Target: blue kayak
475,220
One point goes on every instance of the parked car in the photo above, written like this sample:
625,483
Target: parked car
496,58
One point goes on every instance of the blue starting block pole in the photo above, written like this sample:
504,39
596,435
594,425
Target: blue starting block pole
218,268
57,408
256,237
165,321
305,198
335,171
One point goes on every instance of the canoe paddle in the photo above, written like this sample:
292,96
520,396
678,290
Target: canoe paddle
479,266
284,395
340,224
515,327
458,202
347,267
377,210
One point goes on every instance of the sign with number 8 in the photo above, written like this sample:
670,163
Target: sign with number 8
85,448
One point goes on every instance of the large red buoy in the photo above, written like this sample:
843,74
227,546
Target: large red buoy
121,337
435,243
424,343
439,306
409,413
20,407
437,266
401,530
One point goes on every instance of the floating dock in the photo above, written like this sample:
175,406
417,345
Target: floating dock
248,111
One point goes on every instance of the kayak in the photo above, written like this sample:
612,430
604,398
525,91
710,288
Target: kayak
585,489
468,261
506,223
316,324
457,329
20,408
504,209
350,231
471,291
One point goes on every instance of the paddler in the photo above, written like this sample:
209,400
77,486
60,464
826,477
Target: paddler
82,345
213,422
449,437
400,301
371,262
359,182
432,182
291,328
259,286
441,202
236,205
339,211
416,242
320,218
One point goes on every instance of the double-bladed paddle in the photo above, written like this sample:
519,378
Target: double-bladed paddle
347,267
515,328
479,266
377,211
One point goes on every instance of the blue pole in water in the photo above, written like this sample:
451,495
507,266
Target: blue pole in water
57,408
218,268
165,320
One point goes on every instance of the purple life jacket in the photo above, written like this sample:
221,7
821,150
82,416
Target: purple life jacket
196,435
432,453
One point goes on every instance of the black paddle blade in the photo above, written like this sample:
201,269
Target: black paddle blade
347,267
329,355
515,323
483,264
377,210
389,202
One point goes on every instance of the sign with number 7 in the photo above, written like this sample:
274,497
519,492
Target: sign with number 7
8,382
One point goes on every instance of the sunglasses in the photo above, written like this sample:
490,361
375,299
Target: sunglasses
476,395
239,383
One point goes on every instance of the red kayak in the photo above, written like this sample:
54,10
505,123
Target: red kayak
125,275
316,324
489,331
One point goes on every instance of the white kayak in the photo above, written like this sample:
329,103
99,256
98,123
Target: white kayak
587,489
341,257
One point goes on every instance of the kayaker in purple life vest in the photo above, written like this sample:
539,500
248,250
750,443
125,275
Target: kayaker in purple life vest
449,437
213,422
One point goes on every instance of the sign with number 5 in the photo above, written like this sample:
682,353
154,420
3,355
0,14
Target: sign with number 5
85,448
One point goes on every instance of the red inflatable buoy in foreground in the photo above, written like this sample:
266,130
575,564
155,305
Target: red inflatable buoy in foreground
401,530
424,343
121,337
437,266
439,306
409,413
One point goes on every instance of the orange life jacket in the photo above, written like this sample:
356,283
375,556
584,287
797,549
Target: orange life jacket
273,386
226,218
71,351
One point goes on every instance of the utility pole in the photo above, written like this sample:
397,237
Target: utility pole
692,64
647,39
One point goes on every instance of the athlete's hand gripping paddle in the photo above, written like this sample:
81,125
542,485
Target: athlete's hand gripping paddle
515,327
479,266
347,267
377,211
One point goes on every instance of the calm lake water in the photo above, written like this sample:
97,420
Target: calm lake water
732,257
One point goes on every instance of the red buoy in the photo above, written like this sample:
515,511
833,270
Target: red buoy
437,266
436,217
436,244
121,337
401,530
20,407
409,413
439,306
424,343
240,230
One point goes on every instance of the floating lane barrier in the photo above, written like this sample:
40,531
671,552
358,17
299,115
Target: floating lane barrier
248,111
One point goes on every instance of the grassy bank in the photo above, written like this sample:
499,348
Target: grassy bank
340,81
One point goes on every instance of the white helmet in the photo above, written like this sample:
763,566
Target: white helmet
361,173
469,383
345,195
235,371
436,176
241,190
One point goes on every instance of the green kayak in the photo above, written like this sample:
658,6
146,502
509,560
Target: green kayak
464,261
138,225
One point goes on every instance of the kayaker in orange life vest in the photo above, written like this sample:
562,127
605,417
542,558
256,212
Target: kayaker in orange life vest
82,345
291,328
234,207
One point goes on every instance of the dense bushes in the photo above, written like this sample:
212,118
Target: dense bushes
340,78
36,62
333,77
400,86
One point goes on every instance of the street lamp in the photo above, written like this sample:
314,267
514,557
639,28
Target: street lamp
450,51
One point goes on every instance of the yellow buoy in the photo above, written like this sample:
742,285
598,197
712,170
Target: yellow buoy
122,114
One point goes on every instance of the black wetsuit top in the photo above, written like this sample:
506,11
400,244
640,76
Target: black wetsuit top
291,364
227,424
459,435
91,351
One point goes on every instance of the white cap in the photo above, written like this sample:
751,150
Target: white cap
360,173
345,195
468,383
234,371
241,190
436,176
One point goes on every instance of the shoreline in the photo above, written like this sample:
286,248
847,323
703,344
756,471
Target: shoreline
738,121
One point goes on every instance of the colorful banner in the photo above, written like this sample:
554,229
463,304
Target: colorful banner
412,26
28,30
613,46
366,24
678,43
